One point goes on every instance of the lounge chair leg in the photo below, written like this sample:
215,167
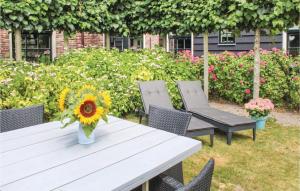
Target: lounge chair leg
254,133
211,138
229,136
141,117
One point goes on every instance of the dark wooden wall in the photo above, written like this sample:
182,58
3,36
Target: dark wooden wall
243,42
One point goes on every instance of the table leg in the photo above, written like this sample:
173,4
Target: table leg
145,186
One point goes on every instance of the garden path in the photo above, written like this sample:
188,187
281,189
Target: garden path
286,118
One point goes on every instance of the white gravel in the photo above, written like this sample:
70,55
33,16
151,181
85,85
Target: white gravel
285,118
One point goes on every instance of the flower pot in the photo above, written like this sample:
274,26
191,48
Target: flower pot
260,122
82,138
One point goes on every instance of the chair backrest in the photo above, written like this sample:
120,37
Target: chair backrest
155,93
169,120
203,180
192,94
12,119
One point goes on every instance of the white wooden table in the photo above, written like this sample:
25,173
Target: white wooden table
124,156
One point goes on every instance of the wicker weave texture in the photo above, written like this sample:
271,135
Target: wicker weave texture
169,119
201,183
12,119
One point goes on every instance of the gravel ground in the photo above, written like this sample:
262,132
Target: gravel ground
284,118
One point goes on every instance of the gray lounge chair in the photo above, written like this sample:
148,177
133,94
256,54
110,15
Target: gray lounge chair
196,102
155,93
12,119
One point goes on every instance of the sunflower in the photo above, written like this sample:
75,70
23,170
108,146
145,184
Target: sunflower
106,98
86,89
62,99
87,111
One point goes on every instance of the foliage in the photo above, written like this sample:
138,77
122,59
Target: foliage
68,16
23,84
259,107
275,15
231,77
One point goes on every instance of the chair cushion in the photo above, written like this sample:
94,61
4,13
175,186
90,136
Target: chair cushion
155,93
223,117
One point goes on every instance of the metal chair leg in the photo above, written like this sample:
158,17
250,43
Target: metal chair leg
141,117
254,133
229,137
212,137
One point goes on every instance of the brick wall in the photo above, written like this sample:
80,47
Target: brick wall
4,44
151,40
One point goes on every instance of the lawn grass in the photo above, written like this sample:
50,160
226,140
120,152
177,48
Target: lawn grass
270,163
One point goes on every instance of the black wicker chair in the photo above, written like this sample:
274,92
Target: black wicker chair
200,183
174,122
169,119
12,119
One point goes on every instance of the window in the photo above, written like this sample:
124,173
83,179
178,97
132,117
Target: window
122,43
35,46
226,37
180,43
293,42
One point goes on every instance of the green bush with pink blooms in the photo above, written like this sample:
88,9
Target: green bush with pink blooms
231,76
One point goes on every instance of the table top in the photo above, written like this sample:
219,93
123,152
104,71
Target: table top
124,156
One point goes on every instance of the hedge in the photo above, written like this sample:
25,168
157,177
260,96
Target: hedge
231,77
24,83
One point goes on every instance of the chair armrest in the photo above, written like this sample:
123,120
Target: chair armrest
168,183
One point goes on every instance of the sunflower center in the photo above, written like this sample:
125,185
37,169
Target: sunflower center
88,108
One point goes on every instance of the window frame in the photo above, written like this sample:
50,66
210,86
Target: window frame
175,39
25,49
220,42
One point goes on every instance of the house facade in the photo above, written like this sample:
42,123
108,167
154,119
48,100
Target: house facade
53,43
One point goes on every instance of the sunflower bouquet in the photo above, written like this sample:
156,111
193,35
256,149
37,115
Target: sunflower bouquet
88,106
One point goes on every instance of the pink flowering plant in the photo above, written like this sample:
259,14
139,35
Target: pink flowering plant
259,107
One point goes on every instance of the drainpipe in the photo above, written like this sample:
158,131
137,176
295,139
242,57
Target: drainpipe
192,44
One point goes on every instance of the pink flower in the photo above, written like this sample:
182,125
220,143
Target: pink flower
241,82
295,78
274,49
221,57
214,76
247,91
241,65
264,52
263,63
262,80
211,68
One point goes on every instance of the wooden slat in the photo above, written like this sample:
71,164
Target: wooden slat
58,143
28,131
35,138
133,171
87,164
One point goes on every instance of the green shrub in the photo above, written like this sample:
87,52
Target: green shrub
231,77
24,84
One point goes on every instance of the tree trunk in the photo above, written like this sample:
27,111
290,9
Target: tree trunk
66,42
256,77
18,44
205,47
107,40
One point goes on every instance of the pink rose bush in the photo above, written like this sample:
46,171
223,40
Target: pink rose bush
259,107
